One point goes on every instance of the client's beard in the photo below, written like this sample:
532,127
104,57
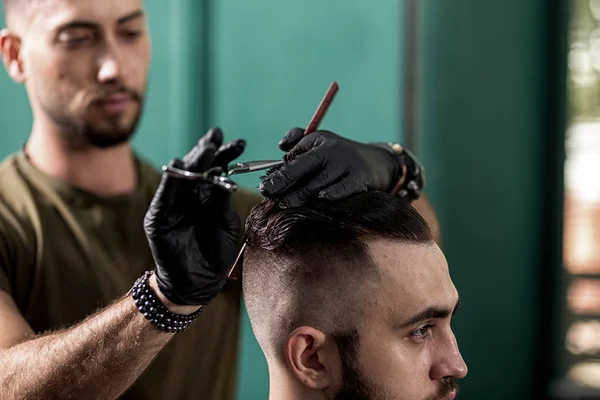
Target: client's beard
356,385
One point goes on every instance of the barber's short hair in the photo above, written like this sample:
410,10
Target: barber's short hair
9,6
311,266
12,7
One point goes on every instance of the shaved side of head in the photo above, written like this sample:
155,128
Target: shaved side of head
312,265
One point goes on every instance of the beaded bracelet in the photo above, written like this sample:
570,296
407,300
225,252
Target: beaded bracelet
155,312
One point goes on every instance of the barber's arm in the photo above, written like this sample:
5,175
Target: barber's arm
193,231
96,359
329,166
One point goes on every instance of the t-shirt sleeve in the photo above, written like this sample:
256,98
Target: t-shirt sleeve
4,283
14,249
5,254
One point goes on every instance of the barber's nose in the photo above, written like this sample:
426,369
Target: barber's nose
109,69
450,362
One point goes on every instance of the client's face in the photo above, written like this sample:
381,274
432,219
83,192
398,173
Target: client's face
405,348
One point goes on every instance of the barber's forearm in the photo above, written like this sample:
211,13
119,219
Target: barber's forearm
424,207
96,359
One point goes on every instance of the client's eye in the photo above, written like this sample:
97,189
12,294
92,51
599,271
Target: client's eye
423,333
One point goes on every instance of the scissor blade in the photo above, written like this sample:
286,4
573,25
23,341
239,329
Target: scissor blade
251,166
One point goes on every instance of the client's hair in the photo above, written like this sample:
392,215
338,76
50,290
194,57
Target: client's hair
311,265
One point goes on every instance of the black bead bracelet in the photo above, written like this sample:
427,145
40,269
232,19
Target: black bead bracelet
155,312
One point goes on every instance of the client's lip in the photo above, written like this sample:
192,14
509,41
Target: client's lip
451,395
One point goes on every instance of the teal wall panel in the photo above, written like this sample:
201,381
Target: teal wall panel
15,113
486,147
174,117
270,64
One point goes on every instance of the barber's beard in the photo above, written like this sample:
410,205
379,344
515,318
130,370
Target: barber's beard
77,132
356,384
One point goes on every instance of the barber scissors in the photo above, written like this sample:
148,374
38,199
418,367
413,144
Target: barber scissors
251,166
215,176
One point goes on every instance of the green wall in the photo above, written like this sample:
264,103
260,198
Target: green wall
271,63
15,113
491,124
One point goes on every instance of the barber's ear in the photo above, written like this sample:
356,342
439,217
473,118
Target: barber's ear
10,48
312,358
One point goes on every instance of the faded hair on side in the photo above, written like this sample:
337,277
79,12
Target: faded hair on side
311,265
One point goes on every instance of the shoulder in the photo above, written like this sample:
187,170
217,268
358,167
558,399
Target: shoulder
17,231
17,245
16,197
149,176
148,172
11,181
244,201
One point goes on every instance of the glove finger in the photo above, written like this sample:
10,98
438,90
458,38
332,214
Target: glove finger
310,190
291,138
291,173
342,189
161,212
229,152
203,154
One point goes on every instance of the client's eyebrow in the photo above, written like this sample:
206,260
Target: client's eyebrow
430,313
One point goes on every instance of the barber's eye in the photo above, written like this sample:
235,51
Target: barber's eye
131,34
423,333
75,37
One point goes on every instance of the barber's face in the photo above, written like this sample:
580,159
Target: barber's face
405,349
85,65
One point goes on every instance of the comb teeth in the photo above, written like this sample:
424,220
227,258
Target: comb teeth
289,156
271,170
295,152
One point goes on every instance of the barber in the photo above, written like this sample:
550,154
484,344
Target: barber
193,230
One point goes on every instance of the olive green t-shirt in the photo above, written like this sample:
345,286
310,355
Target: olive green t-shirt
65,253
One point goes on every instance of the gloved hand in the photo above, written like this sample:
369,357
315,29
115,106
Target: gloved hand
192,226
329,166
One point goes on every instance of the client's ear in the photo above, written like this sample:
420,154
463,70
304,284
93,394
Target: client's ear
311,358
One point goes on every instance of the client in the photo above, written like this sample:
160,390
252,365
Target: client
351,300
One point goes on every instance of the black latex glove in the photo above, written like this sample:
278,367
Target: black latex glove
192,226
329,166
